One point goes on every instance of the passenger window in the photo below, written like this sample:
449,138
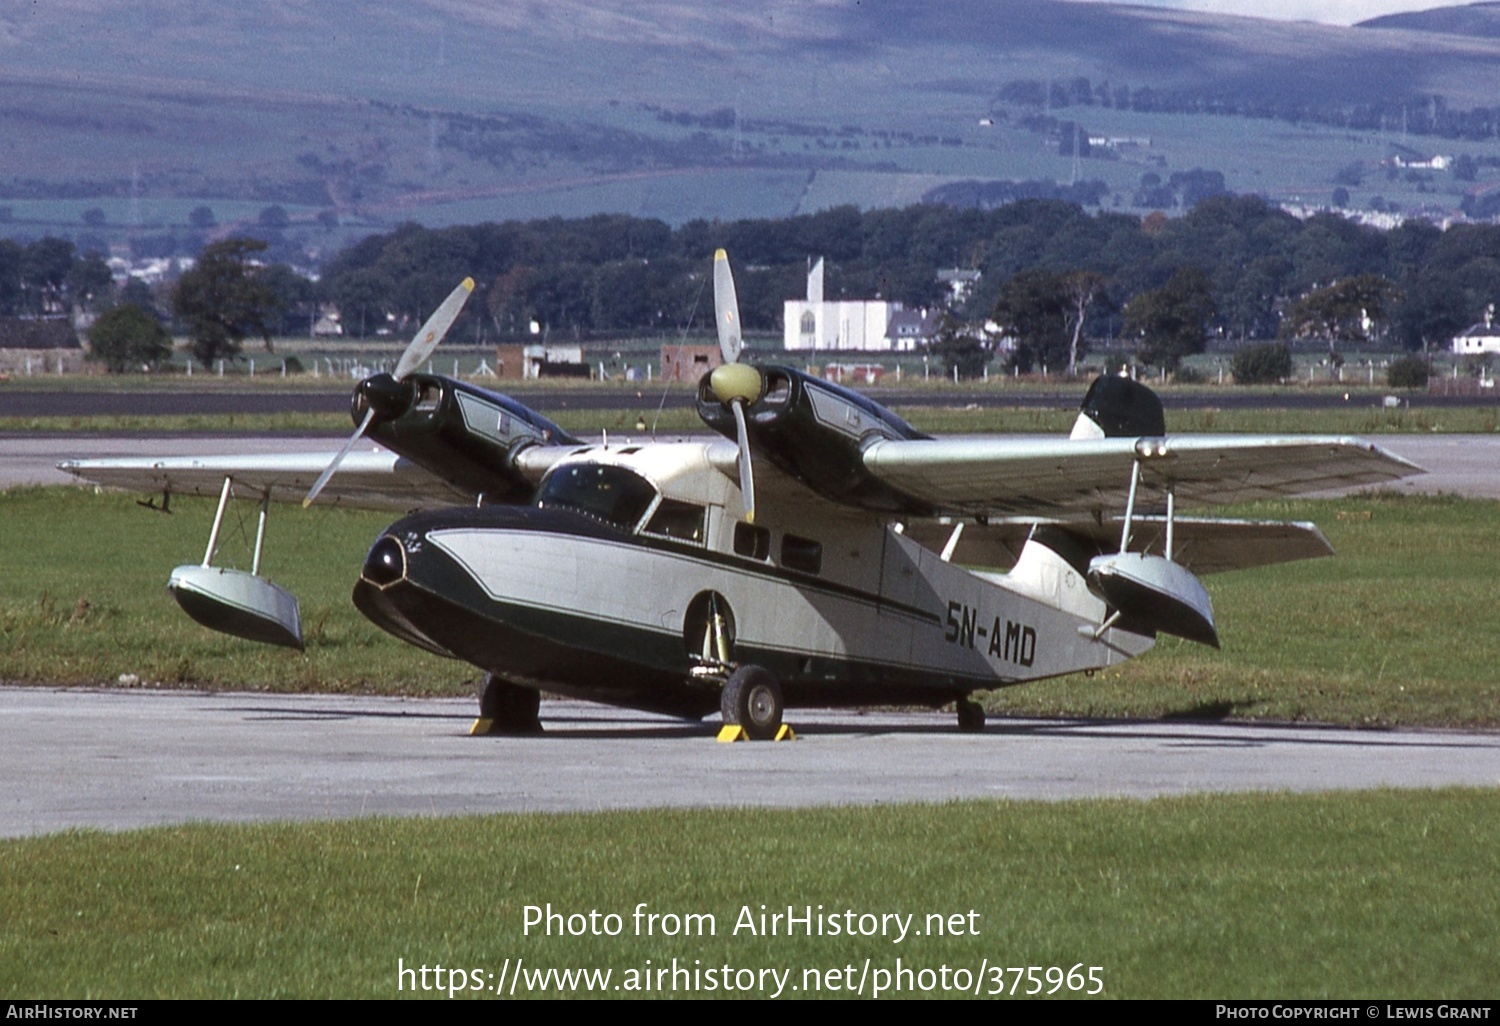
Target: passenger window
752,542
674,519
802,554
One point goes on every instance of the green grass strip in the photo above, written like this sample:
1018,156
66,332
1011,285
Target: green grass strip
1361,896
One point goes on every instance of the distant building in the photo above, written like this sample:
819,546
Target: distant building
912,329
813,323
1479,338
960,282
688,363
328,324
527,363
39,345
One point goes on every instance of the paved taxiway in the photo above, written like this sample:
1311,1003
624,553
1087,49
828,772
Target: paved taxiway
118,759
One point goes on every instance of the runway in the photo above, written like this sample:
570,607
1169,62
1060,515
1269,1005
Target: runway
122,759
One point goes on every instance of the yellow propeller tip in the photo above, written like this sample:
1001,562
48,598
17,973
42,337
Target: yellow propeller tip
306,503
468,284
719,254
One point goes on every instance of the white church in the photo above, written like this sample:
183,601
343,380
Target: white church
855,324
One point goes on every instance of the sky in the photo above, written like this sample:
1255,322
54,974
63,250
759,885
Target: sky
1332,12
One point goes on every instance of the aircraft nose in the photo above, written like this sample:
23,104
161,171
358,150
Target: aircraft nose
386,563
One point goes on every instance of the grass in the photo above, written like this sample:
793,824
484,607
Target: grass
1390,631
1257,896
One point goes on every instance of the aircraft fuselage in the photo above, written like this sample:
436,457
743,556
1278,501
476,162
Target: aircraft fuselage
615,602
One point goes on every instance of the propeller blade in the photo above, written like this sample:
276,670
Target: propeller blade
726,309
747,475
324,477
432,332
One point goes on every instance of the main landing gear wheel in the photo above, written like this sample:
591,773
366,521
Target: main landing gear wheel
509,708
970,716
752,700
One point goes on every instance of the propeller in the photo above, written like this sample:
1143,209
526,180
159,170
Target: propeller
733,383
378,390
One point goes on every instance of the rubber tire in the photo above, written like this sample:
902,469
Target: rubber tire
752,700
970,716
513,708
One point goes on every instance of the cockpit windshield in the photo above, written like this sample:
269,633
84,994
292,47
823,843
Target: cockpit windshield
612,494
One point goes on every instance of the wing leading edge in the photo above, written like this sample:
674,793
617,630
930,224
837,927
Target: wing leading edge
368,480
1061,478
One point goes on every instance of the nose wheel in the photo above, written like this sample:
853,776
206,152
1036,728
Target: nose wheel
970,716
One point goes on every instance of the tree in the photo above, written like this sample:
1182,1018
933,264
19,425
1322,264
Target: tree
1172,321
1080,288
1033,308
961,348
138,292
1407,372
127,338
1264,364
90,281
223,301
45,264
202,218
1352,310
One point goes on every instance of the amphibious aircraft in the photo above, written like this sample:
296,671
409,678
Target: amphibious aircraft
821,552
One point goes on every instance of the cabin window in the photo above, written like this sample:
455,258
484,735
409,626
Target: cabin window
802,554
752,542
612,494
674,519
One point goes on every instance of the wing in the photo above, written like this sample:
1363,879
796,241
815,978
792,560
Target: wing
367,480
376,479
1063,478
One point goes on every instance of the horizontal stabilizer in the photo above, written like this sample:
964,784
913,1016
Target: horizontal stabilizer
1205,545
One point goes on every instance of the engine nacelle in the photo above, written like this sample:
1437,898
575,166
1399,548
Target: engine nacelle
468,436
817,432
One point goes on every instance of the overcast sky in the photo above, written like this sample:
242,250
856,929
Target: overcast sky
1334,12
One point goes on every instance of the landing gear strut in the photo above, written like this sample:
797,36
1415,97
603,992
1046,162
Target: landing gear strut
752,700
970,716
506,708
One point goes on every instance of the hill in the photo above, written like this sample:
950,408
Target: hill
1481,21
356,114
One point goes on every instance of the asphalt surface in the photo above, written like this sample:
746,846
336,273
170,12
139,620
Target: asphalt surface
121,759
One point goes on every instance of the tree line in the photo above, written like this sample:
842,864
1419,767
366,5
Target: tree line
1053,278
1428,115
1234,266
